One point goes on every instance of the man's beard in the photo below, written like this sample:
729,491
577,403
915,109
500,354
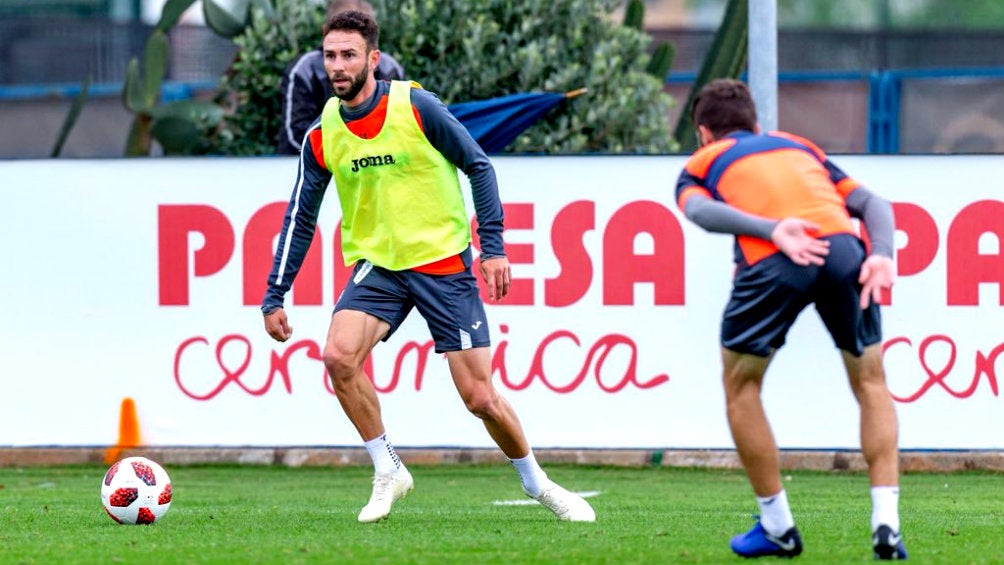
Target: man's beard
355,85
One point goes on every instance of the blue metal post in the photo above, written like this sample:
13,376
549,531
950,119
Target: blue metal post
883,112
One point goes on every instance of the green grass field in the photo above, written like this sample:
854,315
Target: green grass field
230,514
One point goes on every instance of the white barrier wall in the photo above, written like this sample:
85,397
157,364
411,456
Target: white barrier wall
142,279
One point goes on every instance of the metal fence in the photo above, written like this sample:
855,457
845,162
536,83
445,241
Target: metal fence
57,50
861,51
852,92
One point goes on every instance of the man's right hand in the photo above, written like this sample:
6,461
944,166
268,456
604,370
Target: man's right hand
277,326
792,236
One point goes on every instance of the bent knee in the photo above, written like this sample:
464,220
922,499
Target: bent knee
342,363
483,405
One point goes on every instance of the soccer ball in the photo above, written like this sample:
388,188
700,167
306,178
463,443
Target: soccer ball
136,490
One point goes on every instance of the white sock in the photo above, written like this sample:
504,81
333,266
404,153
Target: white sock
385,459
885,507
775,514
534,478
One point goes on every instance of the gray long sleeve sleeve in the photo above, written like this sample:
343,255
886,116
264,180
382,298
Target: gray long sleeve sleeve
876,214
719,217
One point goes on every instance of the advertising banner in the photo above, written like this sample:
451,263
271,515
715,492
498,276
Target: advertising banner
142,279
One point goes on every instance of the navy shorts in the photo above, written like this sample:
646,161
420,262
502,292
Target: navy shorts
450,304
768,297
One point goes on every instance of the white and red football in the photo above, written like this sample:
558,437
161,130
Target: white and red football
136,490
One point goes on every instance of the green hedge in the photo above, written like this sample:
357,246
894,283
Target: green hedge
472,50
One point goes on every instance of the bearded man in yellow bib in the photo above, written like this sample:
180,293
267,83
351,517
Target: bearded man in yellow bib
393,150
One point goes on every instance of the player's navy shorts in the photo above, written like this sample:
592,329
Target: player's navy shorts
450,304
768,296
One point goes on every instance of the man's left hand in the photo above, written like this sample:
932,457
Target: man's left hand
877,273
497,275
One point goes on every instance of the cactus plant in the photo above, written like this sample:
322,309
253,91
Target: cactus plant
181,127
140,93
228,18
71,117
725,59
142,90
661,61
662,56
634,14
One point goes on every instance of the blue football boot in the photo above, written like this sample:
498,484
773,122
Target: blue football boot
758,543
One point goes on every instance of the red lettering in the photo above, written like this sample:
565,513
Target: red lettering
921,238
642,243
967,267
174,224
571,284
279,365
921,242
259,250
603,346
421,351
198,382
518,216
985,365
622,267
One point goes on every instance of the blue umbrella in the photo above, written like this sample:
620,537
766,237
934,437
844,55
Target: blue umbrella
496,122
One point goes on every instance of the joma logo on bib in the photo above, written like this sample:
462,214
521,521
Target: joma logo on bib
374,161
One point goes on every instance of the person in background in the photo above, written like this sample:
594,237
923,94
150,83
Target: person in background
790,208
394,150
305,86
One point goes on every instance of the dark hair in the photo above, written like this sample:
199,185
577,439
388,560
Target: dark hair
723,106
359,22
336,7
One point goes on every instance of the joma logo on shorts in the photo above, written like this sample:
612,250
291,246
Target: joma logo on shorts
374,161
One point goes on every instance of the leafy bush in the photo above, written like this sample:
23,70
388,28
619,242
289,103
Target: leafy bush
250,88
478,49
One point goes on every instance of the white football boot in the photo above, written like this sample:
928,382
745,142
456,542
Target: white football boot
566,505
387,489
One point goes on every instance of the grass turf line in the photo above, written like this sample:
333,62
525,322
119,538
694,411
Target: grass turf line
248,514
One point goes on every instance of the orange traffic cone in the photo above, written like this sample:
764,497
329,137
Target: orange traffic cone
128,431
